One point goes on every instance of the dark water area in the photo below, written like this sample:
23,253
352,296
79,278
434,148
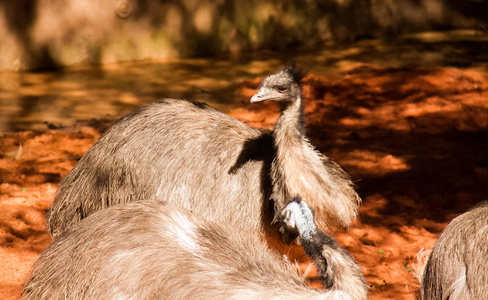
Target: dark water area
37,101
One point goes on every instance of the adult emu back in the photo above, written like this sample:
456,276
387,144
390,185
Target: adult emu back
457,268
155,250
194,156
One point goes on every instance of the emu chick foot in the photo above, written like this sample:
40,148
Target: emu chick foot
298,216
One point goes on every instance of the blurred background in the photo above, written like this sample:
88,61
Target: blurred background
67,59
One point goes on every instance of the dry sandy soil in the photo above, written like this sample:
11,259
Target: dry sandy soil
415,141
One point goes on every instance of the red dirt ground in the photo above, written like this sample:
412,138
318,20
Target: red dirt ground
414,140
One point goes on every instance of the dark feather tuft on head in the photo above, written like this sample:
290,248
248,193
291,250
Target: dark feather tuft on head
295,72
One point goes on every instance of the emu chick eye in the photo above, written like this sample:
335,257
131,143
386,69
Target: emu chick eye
281,89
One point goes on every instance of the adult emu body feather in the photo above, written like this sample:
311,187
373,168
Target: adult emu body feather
194,156
155,250
457,268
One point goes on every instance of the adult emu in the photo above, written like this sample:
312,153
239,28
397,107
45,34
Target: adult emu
458,265
195,157
155,250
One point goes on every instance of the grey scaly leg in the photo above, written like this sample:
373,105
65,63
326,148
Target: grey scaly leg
297,215
337,269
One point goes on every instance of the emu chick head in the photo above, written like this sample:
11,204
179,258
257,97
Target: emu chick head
284,86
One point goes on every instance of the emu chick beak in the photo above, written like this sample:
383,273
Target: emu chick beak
259,96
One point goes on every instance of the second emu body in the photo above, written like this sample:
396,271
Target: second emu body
155,250
194,156
457,268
